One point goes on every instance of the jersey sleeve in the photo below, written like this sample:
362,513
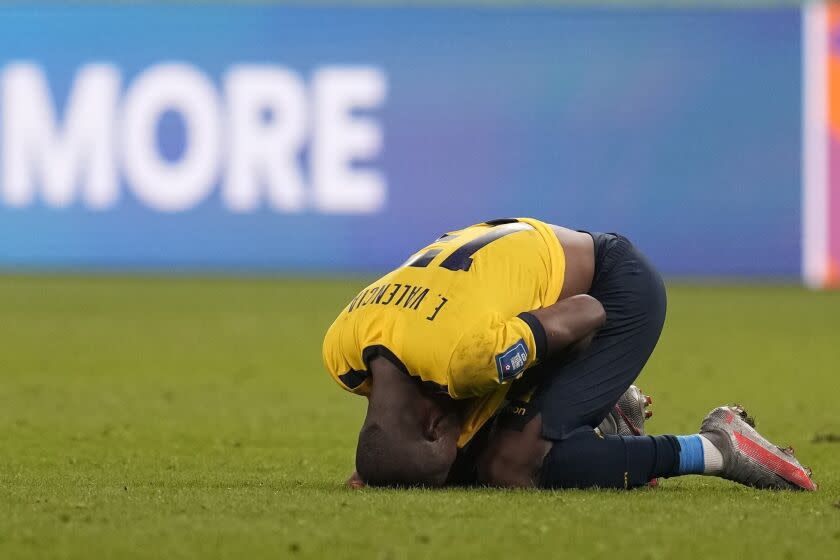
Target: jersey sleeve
350,376
493,352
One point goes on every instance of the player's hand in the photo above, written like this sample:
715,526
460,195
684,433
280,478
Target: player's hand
355,482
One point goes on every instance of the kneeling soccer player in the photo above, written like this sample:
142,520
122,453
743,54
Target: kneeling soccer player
541,329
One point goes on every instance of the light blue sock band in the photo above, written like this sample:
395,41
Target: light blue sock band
691,455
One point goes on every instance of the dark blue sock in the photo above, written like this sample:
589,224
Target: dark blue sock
586,460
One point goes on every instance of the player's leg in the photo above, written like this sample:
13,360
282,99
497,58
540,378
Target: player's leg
518,456
576,393
549,439
566,399
727,446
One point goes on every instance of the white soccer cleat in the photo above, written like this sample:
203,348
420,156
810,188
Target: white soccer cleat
748,458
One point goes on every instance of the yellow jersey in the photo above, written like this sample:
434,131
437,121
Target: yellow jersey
455,315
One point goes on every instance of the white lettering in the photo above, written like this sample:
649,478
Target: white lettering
179,185
267,111
273,141
339,139
36,150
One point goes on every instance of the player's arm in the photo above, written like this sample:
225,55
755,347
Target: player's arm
498,350
568,324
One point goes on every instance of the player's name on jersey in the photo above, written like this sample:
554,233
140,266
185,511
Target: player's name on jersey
399,295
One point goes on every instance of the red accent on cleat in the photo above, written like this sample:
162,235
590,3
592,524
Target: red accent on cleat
788,471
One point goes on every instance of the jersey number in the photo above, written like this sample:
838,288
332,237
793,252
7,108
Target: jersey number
461,257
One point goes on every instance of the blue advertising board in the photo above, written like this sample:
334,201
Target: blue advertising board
251,138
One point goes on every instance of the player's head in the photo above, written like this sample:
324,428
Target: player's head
409,437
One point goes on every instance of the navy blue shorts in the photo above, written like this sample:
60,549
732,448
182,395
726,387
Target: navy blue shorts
577,392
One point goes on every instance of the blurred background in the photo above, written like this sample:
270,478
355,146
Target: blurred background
275,137
189,192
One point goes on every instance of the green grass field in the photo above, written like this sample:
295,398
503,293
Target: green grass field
175,418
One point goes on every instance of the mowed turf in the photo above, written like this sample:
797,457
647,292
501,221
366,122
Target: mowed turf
175,418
